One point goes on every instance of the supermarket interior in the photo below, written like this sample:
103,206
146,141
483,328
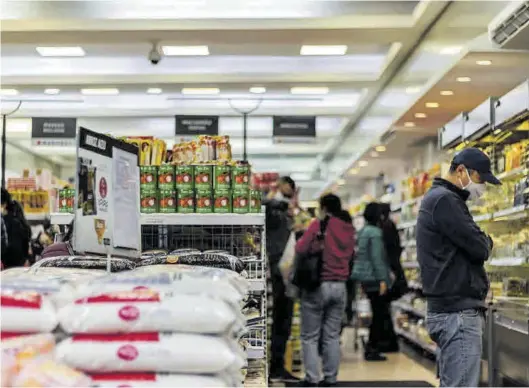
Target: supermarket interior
164,162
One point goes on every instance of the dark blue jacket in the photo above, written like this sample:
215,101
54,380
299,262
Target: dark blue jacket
451,250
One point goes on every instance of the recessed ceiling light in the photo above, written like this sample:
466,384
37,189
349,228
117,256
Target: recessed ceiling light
100,92
200,91
420,115
380,148
447,93
154,91
8,92
409,124
432,105
353,171
363,163
451,50
61,51
258,89
463,79
374,154
52,91
309,90
340,182
323,50
484,63
185,50
413,89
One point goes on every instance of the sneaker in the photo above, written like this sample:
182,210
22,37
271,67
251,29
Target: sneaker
374,357
325,383
282,376
287,376
305,383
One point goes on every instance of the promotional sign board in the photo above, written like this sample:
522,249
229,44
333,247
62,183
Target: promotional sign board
107,205
54,131
189,126
294,126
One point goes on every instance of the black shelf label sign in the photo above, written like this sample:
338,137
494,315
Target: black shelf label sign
58,131
294,126
197,125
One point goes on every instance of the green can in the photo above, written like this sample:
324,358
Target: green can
255,201
204,201
240,176
149,201
222,202
203,177
186,201
222,175
241,202
166,177
66,200
148,177
167,201
184,177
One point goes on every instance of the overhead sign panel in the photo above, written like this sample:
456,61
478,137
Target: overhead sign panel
294,126
53,131
197,125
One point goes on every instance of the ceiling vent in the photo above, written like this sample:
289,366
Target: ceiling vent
510,30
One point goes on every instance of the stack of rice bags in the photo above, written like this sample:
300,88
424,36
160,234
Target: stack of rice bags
150,328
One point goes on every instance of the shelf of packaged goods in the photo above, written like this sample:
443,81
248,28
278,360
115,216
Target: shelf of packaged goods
409,202
430,348
507,261
409,309
407,224
410,264
183,219
513,174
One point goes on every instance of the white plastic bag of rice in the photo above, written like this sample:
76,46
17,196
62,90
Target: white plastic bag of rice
133,380
27,312
150,352
146,310
45,372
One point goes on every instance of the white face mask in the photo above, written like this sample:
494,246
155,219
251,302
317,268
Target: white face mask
280,197
476,190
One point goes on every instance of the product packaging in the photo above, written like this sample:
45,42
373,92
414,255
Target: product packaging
147,380
255,201
186,201
166,177
223,202
149,201
204,201
158,152
223,148
66,200
185,178
145,151
27,312
241,203
241,175
204,177
222,177
148,177
167,201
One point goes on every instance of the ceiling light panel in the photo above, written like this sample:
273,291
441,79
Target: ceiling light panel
451,50
413,89
432,105
380,148
52,91
463,79
200,91
154,91
185,50
258,90
100,92
8,92
484,63
323,50
61,51
409,124
420,115
309,90
447,93
363,163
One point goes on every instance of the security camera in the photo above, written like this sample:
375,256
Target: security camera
154,55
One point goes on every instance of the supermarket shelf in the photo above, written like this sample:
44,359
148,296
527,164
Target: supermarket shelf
255,352
406,225
510,211
517,172
428,347
183,219
408,308
410,264
507,261
483,217
257,285
36,216
406,203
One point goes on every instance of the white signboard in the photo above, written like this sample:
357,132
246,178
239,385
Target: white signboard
107,206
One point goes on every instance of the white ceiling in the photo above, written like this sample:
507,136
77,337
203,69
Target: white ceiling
395,49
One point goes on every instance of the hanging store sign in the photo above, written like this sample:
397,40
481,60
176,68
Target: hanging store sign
197,125
294,126
53,131
107,204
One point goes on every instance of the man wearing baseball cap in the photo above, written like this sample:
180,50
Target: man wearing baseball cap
452,250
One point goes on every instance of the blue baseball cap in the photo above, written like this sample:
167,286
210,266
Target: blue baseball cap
477,160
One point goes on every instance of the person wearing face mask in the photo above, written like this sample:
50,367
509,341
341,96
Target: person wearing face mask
452,251
279,225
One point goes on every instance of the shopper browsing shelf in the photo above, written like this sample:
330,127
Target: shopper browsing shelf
371,269
16,233
452,250
322,308
279,224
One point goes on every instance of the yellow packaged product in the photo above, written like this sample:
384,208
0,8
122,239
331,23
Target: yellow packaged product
223,148
45,372
158,152
145,152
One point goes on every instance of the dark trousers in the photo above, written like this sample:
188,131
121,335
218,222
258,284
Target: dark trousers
381,333
282,319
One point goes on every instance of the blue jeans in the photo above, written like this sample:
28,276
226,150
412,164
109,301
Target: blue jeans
459,346
321,315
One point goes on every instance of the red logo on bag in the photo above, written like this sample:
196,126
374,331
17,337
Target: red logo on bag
129,313
103,187
128,352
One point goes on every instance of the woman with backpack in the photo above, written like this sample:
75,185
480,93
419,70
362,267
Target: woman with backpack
322,308
372,271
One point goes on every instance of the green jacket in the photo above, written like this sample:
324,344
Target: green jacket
370,265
